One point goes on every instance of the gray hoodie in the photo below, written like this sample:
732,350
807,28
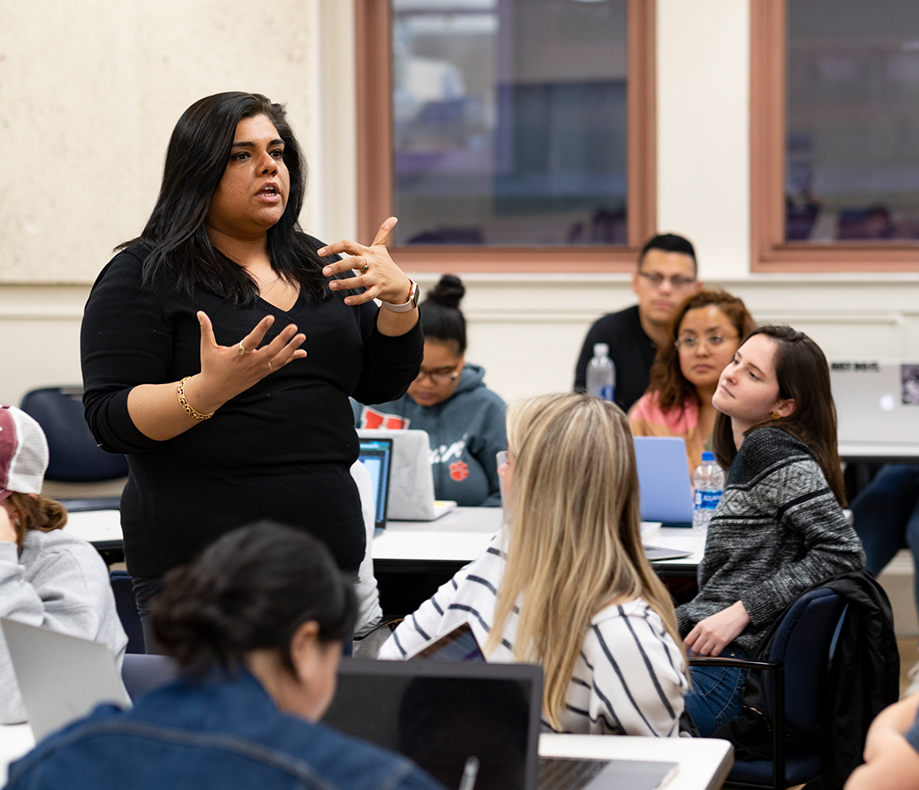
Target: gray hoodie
466,432
60,582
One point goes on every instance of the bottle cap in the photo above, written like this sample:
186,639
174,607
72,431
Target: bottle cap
601,350
708,457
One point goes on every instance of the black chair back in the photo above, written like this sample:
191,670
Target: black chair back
74,456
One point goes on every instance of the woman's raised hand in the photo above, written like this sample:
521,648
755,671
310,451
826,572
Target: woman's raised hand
227,371
379,276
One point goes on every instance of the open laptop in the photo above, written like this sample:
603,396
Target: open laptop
411,492
441,713
62,678
376,456
664,480
877,401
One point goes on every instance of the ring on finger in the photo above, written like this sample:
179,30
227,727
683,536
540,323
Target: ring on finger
270,366
243,349
365,268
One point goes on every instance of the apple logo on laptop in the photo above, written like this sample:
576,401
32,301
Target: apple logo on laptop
888,403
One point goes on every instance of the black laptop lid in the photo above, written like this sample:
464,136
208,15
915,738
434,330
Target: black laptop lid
440,713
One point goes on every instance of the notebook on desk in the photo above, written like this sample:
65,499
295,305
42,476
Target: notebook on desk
411,492
877,401
440,713
664,480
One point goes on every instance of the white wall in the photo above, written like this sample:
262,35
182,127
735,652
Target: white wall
90,103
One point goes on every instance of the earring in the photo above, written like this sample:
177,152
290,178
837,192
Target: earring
776,415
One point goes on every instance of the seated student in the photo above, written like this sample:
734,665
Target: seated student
779,528
701,339
256,624
567,584
666,274
48,578
891,750
449,400
886,517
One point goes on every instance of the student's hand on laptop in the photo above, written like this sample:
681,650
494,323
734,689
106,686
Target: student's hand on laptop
711,635
7,530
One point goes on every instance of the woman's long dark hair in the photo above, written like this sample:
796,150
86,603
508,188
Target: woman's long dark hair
180,252
251,590
803,374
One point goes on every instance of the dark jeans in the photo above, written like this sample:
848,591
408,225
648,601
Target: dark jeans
714,698
147,588
886,517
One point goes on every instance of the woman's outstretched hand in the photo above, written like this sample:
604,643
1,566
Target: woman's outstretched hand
379,276
711,635
227,371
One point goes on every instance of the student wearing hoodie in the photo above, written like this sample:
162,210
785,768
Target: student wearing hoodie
449,400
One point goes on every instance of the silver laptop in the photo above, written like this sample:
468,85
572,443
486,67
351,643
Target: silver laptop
877,401
62,678
664,480
411,487
441,713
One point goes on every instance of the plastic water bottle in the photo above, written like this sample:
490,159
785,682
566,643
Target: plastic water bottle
601,374
708,482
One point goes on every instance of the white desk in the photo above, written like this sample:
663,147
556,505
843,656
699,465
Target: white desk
854,452
458,537
15,741
704,762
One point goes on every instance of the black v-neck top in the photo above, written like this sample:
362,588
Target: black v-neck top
280,450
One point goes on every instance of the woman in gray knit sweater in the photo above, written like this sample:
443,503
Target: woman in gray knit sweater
779,529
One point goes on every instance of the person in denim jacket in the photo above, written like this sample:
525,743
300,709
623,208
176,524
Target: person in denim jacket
256,625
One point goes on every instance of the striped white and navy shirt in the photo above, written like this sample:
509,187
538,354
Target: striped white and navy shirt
628,678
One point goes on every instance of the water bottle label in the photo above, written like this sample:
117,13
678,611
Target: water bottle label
707,500
606,392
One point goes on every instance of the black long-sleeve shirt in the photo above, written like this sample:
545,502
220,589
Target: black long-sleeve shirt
631,350
281,450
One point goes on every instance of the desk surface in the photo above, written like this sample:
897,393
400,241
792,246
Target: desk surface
459,536
704,762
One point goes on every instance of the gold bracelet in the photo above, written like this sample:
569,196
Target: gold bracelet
180,394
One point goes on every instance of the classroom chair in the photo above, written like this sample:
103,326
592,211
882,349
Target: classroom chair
796,673
74,456
142,673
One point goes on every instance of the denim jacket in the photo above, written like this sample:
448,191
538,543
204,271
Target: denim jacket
222,733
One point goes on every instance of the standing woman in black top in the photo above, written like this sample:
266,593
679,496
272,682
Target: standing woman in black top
219,348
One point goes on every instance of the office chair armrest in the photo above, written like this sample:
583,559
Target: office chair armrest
740,663
778,704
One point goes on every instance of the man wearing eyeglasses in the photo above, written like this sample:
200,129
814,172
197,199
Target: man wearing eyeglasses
665,276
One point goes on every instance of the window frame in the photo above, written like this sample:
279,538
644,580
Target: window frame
770,251
373,25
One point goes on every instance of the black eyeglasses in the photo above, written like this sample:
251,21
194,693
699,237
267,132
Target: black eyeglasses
438,378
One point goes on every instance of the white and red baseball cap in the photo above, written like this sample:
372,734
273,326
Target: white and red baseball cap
23,453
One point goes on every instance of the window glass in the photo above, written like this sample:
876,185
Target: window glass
852,120
509,122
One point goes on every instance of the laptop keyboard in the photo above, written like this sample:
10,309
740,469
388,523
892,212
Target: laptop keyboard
559,773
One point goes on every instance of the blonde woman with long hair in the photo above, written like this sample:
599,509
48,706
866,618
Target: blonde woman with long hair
566,583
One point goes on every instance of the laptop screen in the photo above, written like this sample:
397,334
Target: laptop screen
438,714
376,456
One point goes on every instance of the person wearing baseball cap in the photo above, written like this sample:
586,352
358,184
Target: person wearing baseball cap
48,577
